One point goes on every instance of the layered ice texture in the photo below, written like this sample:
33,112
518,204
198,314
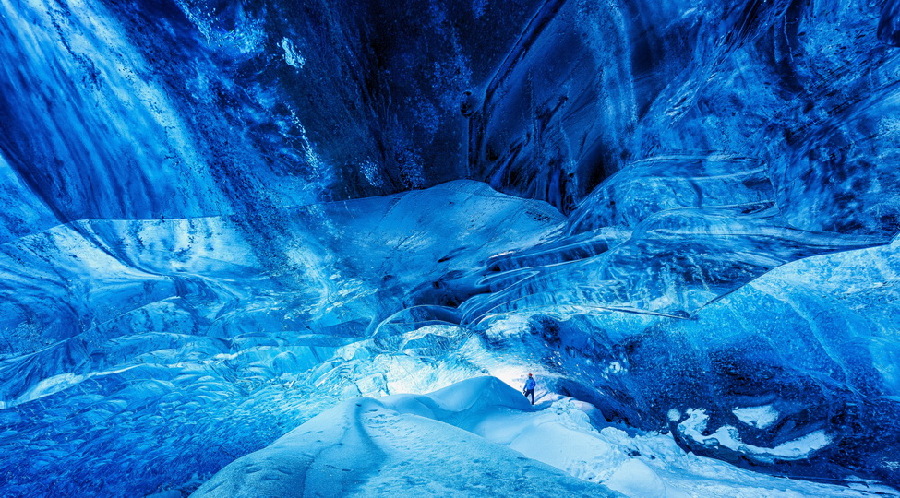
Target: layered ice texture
226,226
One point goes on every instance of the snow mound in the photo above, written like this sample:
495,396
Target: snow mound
388,446
480,437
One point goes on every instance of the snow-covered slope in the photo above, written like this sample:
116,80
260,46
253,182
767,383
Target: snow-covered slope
398,445
480,437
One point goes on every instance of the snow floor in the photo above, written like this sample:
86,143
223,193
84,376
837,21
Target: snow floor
480,437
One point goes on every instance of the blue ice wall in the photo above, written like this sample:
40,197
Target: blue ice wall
804,87
219,218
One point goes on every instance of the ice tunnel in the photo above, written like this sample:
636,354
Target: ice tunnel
314,247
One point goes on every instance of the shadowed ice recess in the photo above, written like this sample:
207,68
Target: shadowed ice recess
267,247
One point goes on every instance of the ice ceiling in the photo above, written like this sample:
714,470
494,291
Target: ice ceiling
221,217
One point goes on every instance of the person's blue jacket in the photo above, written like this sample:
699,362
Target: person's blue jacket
529,384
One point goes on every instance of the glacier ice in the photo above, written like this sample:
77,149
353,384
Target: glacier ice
189,324
221,220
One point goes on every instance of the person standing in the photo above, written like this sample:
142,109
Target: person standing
528,390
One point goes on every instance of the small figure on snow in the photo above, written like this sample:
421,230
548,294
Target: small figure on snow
528,390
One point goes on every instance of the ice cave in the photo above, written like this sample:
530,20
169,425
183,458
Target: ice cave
315,247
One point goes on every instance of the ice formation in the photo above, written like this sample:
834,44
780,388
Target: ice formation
225,224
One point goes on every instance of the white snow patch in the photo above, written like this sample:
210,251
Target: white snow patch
759,416
615,368
729,437
292,56
635,478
